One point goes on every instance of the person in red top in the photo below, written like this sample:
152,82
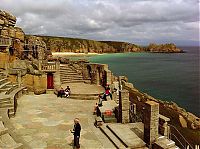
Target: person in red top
107,92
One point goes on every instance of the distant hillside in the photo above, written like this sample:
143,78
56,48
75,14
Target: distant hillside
64,44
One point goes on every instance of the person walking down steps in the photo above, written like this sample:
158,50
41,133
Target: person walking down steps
76,131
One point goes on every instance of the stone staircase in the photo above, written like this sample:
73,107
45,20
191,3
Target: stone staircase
84,96
117,141
69,75
9,93
6,140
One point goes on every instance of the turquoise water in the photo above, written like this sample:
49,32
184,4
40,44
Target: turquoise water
170,77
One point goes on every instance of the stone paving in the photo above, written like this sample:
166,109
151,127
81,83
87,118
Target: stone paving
44,121
84,88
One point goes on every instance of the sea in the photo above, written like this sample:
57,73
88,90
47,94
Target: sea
166,76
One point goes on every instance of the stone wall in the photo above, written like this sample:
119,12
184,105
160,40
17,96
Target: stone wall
140,98
35,83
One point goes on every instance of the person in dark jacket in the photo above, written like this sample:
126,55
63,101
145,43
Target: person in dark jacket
76,131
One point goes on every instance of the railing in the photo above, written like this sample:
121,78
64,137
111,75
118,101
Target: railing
135,117
49,66
5,41
176,136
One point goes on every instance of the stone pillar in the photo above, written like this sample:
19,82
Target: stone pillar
109,77
164,129
56,75
124,106
151,122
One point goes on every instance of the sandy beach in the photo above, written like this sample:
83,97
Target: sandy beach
72,54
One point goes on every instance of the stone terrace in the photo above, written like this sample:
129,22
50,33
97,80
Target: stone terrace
44,121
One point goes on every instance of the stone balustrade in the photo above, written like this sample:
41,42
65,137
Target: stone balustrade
50,66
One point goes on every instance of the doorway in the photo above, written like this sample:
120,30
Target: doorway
50,81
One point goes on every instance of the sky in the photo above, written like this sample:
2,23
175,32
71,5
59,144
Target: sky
135,21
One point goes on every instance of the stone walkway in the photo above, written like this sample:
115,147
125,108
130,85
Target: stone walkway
44,121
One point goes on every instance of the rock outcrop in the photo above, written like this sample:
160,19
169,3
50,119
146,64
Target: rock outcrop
162,48
9,30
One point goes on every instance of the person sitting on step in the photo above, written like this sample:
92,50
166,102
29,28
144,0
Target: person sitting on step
61,92
67,91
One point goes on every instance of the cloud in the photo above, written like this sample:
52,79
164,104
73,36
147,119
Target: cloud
137,21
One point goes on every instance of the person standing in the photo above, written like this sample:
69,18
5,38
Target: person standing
76,131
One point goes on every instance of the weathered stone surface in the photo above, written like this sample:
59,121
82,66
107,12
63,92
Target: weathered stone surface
19,34
1,21
182,121
4,32
39,91
11,32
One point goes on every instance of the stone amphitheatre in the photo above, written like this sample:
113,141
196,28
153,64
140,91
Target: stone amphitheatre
32,116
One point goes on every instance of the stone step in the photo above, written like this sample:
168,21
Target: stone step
6,105
3,80
5,102
129,138
72,81
2,86
4,97
165,142
6,141
84,97
117,143
3,130
2,76
67,71
72,76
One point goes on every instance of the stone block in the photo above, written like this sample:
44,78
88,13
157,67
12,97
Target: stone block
1,22
11,31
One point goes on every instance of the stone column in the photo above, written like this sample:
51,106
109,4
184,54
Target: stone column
56,76
151,122
124,106
109,77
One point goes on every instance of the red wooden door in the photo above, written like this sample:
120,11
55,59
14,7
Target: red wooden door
49,81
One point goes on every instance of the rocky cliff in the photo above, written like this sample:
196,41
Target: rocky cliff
162,48
9,30
62,44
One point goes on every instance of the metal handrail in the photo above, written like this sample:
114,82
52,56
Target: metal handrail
178,140
186,142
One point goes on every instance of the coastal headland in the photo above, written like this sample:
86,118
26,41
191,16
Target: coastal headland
64,44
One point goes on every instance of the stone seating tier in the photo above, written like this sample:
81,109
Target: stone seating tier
117,143
68,75
6,141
